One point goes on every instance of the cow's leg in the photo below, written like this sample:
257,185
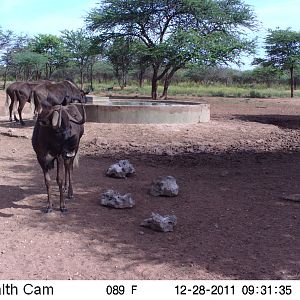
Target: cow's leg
66,178
60,180
20,108
48,187
69,177
14,106
10,108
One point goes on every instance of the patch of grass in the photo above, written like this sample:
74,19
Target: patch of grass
200,90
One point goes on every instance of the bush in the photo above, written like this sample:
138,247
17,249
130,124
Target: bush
255,94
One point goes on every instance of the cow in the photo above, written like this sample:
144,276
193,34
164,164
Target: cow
63,92
19,93
56,136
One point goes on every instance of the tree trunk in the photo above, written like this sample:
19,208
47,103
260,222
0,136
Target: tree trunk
5,78
51,70
91,77
47,71
124,79
121,79
167,82
154,83
141,76
81,78
292,81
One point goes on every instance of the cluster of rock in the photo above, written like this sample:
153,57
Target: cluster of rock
160,223
114,199
162,186
121,169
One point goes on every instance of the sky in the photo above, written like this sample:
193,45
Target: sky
33,17
44,16
272,14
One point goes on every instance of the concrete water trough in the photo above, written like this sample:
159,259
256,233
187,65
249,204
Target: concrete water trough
134,111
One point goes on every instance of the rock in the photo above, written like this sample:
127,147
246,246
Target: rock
160,223
114,199
292,197
121,169
164,186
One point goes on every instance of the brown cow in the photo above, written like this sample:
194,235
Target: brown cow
56,136
63,92
20,93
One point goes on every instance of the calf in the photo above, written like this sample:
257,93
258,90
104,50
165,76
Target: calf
56,137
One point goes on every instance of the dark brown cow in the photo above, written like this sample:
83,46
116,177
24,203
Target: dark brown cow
56,136
63,92
19,93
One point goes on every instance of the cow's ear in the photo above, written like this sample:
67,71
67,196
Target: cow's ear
55,119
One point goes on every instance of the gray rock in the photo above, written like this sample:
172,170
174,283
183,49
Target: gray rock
114,199
121,169
164,186
160,223
292,197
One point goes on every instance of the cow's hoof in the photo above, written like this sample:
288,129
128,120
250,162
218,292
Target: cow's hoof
64,210
47,210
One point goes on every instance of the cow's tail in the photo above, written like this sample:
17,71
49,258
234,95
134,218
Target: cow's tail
32,104
7,102
16,102
35,101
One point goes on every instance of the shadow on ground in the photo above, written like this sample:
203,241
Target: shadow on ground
231,218
283,121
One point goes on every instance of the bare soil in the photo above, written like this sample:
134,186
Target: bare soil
232,220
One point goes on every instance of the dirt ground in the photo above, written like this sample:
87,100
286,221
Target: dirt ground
232,220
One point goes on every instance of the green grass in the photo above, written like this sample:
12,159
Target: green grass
200,90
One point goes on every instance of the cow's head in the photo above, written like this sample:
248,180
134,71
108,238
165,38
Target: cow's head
83,95
76,94
60,117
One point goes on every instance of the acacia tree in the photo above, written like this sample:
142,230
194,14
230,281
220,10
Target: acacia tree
29,63
52,47
283,52
266,74
6,38
11,45
176,32
142,61
120,54
81,49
